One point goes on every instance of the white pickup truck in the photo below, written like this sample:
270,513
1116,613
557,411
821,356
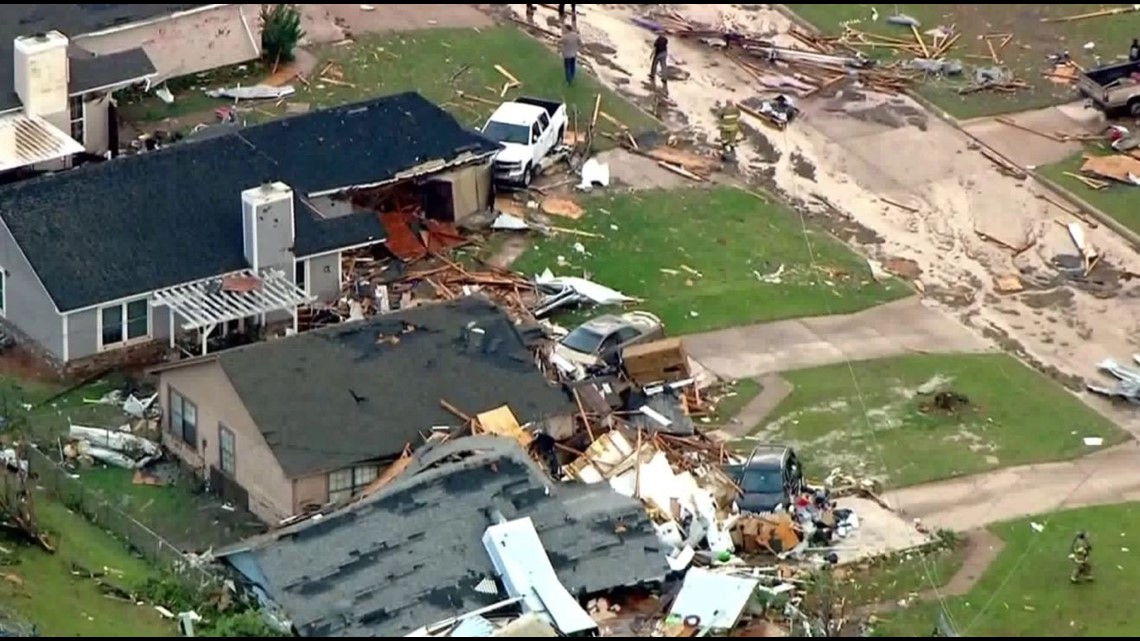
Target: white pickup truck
529,129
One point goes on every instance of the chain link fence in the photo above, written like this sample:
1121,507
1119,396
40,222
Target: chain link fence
71,492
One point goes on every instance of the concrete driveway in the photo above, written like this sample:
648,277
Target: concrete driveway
902,327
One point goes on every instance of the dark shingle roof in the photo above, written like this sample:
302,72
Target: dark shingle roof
72,20
85,230
412,554
302,391
89,71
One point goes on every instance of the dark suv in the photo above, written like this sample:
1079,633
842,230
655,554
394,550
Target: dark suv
770,477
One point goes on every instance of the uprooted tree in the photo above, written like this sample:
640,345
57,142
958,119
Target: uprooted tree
280,31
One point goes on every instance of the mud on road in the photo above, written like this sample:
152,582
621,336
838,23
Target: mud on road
868,155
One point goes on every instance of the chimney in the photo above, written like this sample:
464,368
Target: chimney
267,227
41,75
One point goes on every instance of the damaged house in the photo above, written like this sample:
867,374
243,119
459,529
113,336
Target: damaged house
288,425
61,63
446,538
173,249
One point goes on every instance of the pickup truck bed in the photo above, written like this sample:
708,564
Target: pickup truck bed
550,106
1113,87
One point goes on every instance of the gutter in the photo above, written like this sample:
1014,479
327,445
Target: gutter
149,21
429,167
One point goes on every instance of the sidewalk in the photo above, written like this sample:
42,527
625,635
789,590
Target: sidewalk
902,327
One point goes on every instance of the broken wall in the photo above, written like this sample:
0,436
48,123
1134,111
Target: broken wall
227,35
256,469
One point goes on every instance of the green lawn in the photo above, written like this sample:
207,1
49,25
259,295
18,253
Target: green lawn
1015,415
737,243
426,61
1122,202
42,589
180,513
901,577
1026,591
1024,56
735,396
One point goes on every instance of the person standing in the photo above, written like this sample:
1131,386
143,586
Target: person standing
569,46
1134,51
573,14
659,62
1082,550
728,122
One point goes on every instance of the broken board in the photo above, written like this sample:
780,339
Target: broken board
1118,167
562,207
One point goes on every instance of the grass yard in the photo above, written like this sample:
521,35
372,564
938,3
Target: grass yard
1122,202
1014,415
898,578
1026,591
737,243
735,396
42,589
1024,56
426,61
179,513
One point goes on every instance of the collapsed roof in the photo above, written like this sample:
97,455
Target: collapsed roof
411,554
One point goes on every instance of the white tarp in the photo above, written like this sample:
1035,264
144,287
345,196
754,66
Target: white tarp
112,440
253,92
715,600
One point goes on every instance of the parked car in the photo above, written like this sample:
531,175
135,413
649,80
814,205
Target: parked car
529,129
1113,88
768,478
601,339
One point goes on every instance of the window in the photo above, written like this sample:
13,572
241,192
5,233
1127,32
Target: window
124,323
76,108
302,275
543,121
346,483
225,449
183,419
627,334
534,133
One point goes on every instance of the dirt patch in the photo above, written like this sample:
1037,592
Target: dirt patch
766,151
902,267
889,114
1011,345
803,167
1056,299
24,365
948,402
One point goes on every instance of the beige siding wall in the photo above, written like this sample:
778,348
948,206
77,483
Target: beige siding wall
255,467
310,491
189,44
96,111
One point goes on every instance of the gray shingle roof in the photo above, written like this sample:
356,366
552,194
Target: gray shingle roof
89,71
303,391
412,554
72,20
84,230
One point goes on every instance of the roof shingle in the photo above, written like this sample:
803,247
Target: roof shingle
344,385
132,225
411,555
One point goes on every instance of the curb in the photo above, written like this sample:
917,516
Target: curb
1130,236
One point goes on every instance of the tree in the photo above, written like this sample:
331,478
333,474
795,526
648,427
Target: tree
280,31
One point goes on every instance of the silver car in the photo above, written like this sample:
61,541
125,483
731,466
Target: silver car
601,339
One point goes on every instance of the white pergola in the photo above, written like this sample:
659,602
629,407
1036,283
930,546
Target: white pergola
210,302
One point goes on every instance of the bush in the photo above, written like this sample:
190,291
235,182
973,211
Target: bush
222,616
280,31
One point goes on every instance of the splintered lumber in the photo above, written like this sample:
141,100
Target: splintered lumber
1091,183
508,75
597,110
1002,164
993,53
474,98
921,42
1011,123
1115,11
680,171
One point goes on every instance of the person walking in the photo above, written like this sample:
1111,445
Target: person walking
659,61
569,46
728,123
